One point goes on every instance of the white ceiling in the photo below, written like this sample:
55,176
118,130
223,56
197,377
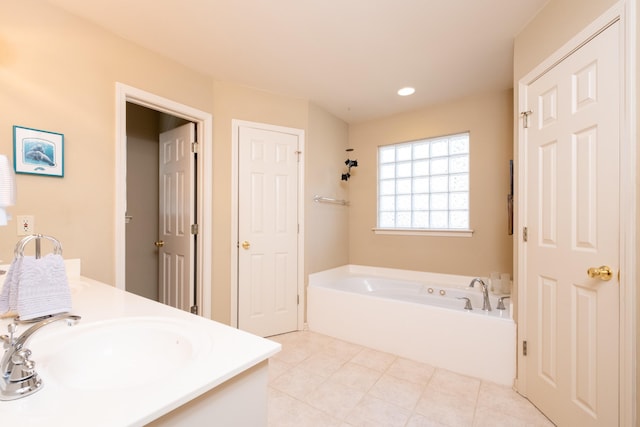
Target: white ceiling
347,56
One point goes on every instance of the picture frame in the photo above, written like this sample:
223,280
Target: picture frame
38,152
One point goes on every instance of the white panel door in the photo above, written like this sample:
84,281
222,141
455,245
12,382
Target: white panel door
267,231
175,240
572,199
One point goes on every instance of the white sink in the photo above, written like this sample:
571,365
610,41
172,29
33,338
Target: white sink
116,354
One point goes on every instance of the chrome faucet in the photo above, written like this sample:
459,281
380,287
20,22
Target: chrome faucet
501,302
19,377
467,303
486,304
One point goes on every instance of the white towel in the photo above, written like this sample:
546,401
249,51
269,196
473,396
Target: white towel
9,295
37,287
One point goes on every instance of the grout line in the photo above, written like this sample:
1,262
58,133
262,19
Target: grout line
321,343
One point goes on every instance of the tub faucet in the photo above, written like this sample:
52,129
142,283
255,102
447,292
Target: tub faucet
467,303
19,377
501,302
486,304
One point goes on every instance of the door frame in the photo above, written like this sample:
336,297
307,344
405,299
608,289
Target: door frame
204,179
625,11
235,157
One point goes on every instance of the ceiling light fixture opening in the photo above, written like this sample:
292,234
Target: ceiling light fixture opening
406,91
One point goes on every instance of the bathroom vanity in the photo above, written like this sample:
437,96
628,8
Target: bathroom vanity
131,361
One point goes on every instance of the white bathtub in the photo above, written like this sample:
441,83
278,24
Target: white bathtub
415,315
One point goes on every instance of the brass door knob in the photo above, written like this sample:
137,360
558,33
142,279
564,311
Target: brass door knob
603,273
246,245
159,243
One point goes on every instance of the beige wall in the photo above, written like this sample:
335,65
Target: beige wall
58,73
488,119
554,25
326,230
637,362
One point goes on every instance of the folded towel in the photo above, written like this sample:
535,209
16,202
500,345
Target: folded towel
10,288
4,296
42,288
36,287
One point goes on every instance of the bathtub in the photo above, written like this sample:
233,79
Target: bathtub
415,315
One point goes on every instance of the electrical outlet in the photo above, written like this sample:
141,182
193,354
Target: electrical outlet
26,225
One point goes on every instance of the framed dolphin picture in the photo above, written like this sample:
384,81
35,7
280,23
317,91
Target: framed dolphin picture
38,152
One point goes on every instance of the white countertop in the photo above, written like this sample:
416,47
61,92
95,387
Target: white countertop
223,352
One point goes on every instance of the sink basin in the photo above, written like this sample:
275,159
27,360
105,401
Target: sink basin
117,354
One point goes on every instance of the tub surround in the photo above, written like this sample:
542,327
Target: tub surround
226,380
476,343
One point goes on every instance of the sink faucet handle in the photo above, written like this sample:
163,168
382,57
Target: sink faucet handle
12,327
9,340
24,368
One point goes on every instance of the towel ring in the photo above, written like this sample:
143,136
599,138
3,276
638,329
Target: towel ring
19,250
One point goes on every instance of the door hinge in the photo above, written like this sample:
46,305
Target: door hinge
525,234
525,118
298,299
194,309
194,147
298,154
524,348
194,228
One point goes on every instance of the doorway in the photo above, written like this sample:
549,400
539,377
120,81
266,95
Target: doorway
267,286
576,295
572,146
144,245
127,96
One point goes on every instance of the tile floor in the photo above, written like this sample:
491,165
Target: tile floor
320,381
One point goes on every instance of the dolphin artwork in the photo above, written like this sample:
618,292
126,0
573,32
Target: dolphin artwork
37,154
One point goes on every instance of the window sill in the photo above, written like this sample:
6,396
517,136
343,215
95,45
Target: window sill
423,232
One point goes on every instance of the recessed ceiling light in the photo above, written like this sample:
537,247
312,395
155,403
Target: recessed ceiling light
406,91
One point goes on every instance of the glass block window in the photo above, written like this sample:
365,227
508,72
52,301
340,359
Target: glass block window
424,184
